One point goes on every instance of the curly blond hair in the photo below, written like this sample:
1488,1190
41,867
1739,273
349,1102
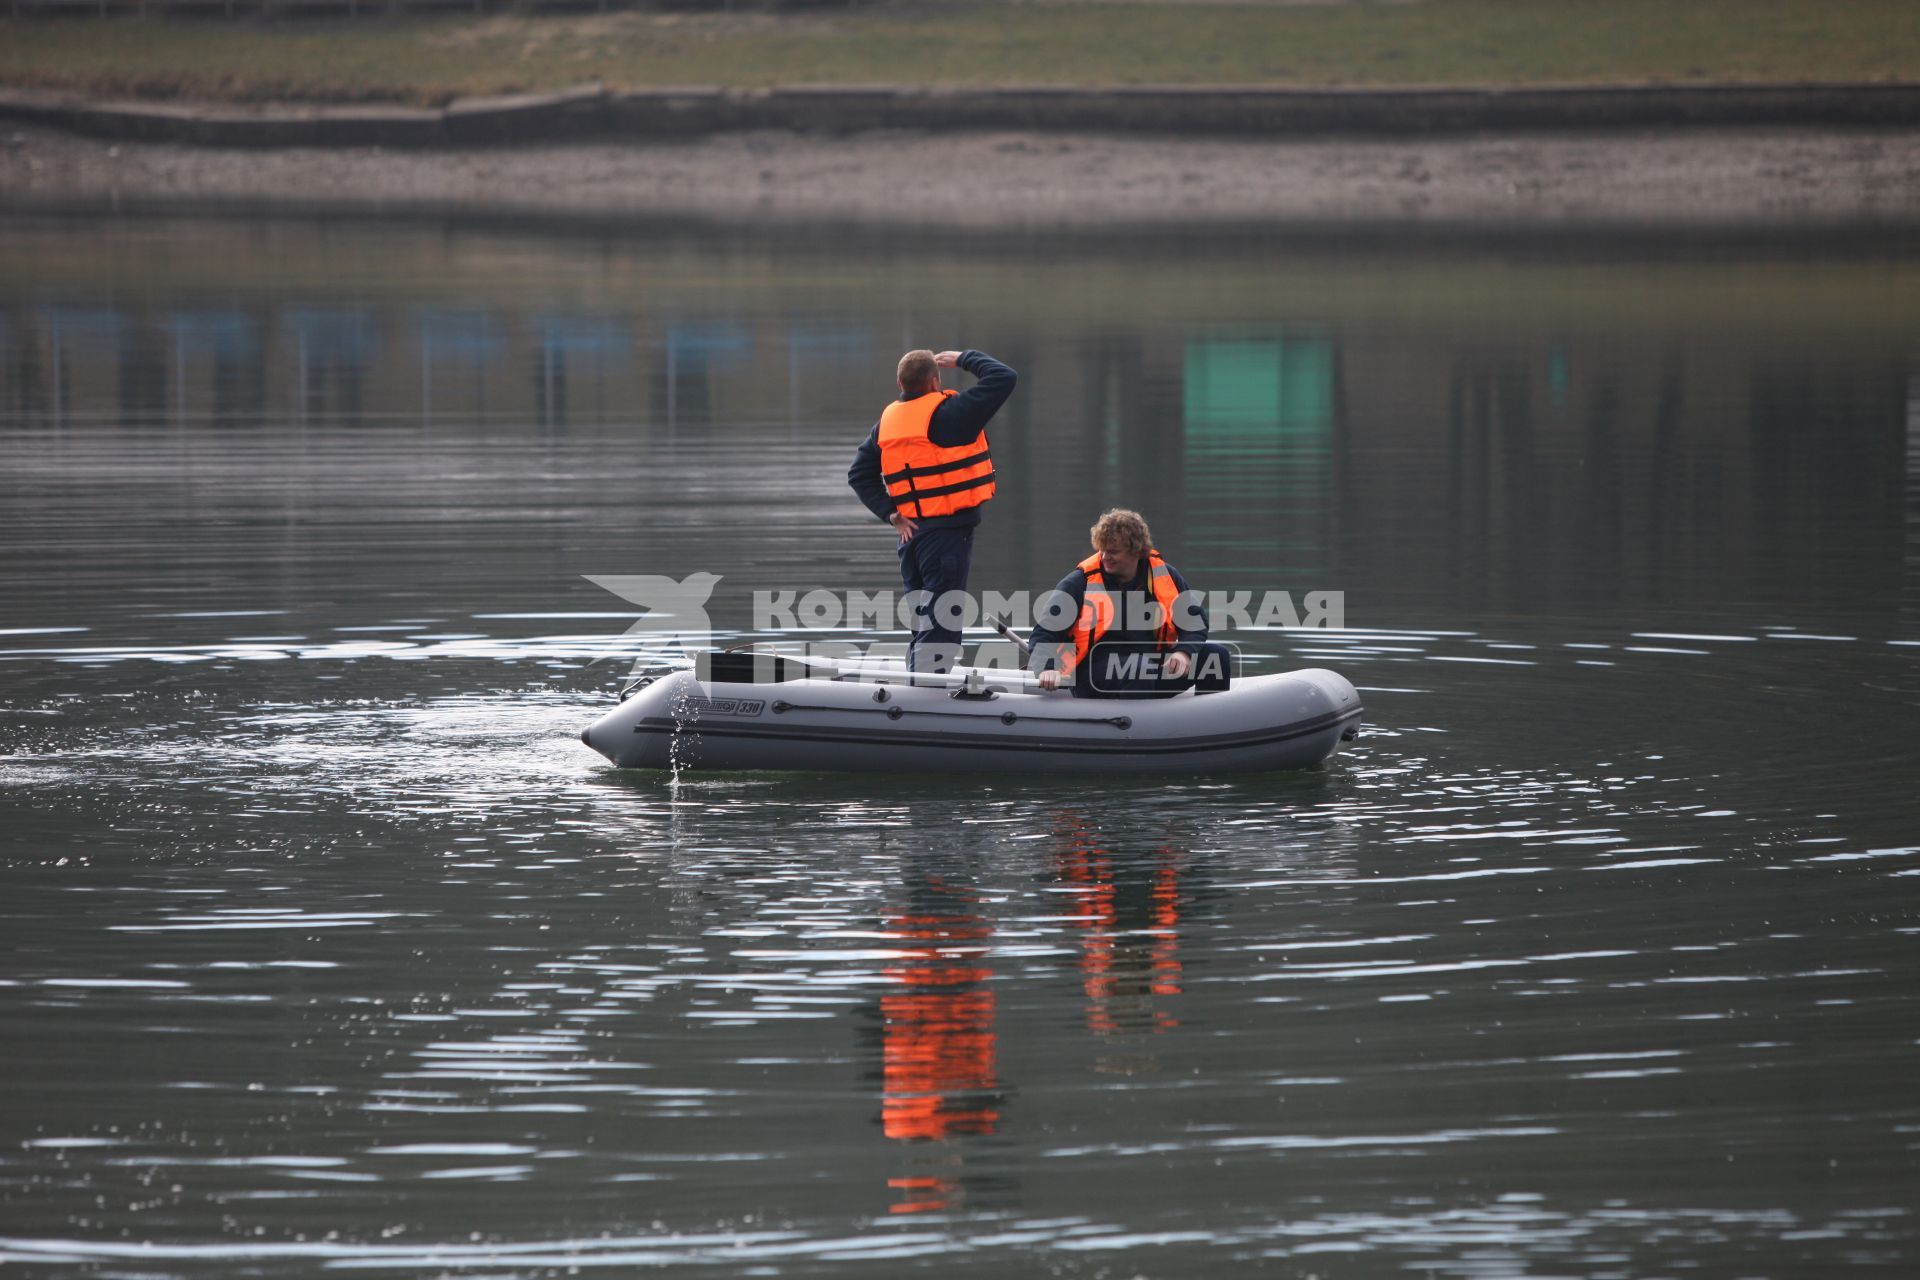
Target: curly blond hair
1122,530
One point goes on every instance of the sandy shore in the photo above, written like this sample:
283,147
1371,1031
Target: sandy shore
1734,177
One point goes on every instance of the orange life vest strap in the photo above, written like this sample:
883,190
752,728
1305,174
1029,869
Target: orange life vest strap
1097,611
961,475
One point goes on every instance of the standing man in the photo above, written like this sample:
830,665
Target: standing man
926,470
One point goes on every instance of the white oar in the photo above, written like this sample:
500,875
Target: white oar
835,668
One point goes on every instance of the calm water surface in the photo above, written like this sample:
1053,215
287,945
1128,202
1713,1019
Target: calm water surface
326,947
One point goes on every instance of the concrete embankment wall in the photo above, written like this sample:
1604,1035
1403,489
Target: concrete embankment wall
648,114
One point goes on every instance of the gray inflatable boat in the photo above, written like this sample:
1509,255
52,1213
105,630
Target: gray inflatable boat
974,721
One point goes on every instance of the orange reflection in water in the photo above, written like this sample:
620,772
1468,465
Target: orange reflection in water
921,1195
939,1046
1129,948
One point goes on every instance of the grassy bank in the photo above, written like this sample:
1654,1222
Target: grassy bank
996,42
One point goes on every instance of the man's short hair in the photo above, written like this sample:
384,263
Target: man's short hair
917,372
1122,530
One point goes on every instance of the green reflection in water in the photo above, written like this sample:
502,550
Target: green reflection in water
1240,390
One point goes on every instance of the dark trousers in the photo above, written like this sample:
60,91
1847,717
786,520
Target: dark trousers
935,561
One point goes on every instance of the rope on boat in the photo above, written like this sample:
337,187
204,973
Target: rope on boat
1005,717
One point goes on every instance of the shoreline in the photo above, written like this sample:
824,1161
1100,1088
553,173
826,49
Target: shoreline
1709,179
593,113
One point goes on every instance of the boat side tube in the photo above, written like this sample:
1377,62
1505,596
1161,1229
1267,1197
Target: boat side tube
1293,720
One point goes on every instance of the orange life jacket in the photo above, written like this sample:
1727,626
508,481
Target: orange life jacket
922,478
1096,613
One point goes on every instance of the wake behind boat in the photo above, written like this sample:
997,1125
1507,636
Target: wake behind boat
765,715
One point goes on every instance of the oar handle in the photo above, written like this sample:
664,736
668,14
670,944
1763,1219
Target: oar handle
1000,625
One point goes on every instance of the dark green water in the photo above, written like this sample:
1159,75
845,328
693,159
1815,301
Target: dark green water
325,947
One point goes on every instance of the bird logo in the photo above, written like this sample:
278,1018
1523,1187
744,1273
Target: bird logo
674,623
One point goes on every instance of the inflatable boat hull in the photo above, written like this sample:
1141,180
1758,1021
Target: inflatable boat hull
1293,720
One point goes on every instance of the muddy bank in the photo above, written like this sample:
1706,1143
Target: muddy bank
1743,177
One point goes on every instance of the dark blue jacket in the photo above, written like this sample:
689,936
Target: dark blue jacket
958,421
